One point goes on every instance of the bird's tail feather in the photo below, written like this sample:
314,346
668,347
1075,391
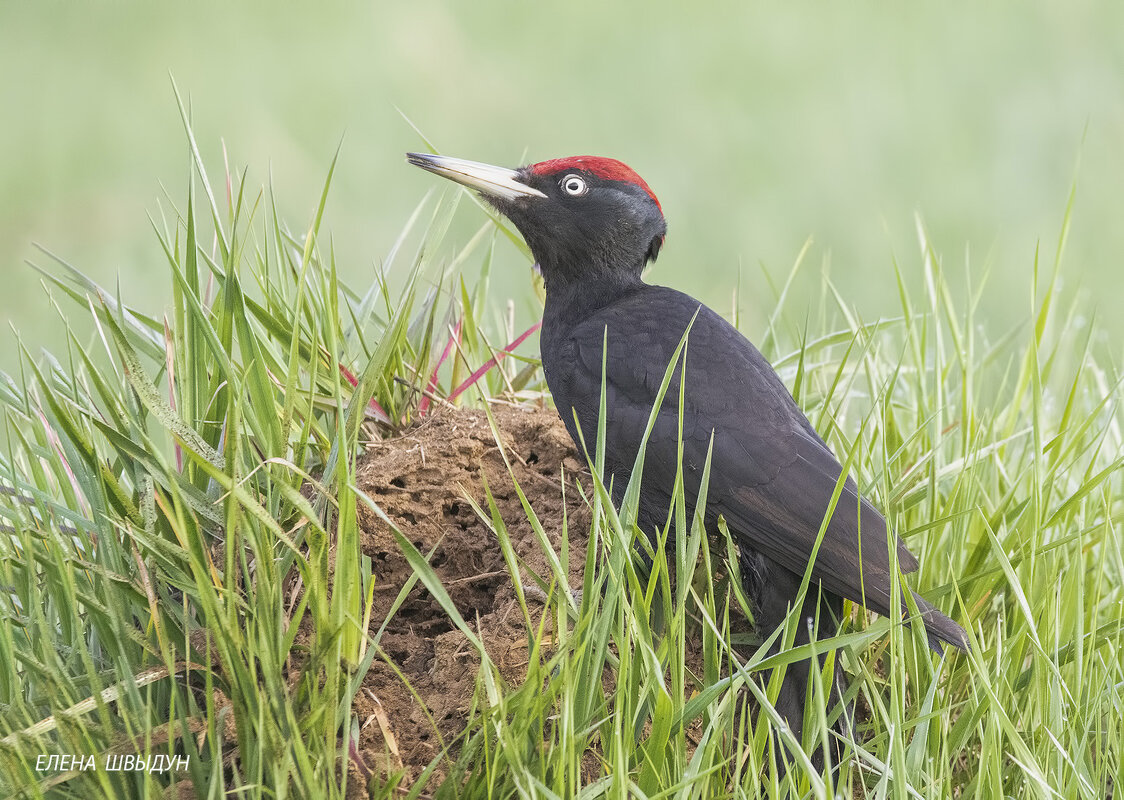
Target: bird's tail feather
940,628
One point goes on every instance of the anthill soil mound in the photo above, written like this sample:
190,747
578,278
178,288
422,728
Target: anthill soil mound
421,481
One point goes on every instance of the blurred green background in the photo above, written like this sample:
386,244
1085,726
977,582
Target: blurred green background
758,126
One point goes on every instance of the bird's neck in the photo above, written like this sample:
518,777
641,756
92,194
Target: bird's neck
580,298
570,302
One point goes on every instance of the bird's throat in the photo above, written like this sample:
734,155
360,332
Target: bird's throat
569,302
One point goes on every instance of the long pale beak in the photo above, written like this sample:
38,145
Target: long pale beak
498,182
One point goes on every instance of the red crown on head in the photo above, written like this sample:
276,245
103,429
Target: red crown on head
607,168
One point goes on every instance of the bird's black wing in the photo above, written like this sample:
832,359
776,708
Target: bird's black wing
772,476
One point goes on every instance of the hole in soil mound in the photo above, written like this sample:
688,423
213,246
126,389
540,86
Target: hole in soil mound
421,481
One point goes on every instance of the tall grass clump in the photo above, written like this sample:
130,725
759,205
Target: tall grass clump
181,578
180,574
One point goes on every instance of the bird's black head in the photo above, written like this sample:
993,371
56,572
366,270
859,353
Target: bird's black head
583,217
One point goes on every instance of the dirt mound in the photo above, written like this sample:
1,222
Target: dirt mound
421,480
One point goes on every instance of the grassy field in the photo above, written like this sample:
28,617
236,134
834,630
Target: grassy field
183,576
913,212
758,126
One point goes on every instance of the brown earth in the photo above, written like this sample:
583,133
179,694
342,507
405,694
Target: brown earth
422,480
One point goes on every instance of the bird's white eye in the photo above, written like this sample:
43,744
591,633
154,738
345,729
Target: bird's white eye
573,184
